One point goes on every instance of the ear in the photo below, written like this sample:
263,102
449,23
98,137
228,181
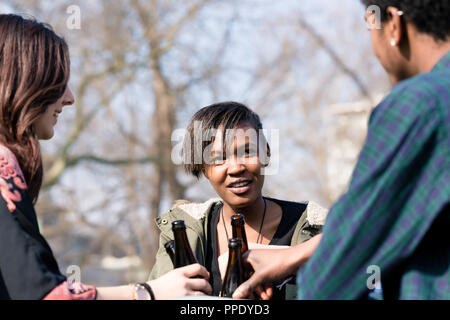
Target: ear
268,155
394,28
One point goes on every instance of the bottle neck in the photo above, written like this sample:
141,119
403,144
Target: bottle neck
234,256
238,230
183,252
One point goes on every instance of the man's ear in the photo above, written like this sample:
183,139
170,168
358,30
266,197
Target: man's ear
394,28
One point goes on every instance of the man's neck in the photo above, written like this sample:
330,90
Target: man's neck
426,53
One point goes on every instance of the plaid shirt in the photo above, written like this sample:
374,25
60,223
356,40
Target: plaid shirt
394,219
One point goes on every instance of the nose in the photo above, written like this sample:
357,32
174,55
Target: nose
235,166
68,98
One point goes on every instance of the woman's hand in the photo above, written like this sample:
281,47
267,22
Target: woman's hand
180,282
274,264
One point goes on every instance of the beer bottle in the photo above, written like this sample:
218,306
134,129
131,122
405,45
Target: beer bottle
183,251
170,249
234,275
238,227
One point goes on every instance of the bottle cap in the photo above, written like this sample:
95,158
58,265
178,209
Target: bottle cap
237,218
169,244
178,225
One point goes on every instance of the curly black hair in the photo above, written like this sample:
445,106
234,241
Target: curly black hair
429,16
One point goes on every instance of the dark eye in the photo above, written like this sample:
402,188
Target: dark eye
217,160
251,152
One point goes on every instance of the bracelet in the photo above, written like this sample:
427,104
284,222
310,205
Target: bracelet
140,292
149,289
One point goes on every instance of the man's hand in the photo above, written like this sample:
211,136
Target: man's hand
274,264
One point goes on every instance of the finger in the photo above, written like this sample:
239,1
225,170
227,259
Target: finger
197,293
268,293
199,285
195,270
259,290
265,292
247,288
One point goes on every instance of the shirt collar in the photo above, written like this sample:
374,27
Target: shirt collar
444,63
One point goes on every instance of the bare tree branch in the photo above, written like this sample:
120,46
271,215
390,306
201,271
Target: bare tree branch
335,57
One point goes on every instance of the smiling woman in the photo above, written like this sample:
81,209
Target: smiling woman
43,126
34,72
224,143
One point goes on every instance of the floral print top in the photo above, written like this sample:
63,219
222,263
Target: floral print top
28,269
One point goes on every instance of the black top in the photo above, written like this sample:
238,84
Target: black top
291,213
28,269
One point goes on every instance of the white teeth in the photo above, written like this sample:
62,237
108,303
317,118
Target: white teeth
240,184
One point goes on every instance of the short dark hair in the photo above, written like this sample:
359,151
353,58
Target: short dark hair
429,16
224,115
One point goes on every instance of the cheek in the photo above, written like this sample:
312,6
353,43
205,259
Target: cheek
382,50
216,176
44,125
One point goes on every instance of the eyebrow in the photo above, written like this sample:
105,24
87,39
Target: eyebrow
244,146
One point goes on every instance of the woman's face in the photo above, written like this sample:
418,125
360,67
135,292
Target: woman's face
45,123
236,175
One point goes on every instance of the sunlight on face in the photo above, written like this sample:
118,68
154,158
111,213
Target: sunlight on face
235,171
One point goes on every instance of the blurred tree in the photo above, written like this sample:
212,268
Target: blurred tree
141,68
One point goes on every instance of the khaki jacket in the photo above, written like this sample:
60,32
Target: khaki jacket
195,216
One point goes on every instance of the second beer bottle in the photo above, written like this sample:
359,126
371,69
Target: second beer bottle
170,249
183,252
234,275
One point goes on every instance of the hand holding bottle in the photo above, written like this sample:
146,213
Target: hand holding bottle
191,280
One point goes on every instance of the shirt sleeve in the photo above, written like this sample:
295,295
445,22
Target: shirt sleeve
380,220
28,269
72,291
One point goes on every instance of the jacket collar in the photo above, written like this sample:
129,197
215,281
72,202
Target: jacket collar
198,210
443,64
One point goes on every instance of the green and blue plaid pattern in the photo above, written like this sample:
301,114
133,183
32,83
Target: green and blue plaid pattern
395,214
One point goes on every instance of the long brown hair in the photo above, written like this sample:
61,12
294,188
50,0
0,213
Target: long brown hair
34,71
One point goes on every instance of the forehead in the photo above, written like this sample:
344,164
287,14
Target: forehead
243,134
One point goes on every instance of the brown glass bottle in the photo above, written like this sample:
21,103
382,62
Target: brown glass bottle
183,252
234,275
238,227
170,249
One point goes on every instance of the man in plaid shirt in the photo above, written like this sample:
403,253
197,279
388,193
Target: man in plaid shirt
389,231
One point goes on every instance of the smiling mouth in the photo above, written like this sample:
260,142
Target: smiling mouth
56,114
240,187
239,184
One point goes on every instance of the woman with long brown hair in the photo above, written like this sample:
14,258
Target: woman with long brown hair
34,75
